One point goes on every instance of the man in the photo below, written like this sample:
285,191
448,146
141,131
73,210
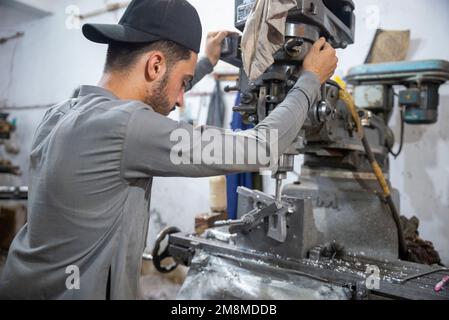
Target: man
93,157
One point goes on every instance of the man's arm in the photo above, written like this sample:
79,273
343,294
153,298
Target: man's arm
213,50
203,68
157,146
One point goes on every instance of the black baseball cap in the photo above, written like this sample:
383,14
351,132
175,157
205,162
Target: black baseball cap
146,21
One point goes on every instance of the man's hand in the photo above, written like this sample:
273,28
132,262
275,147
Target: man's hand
213,45
321,60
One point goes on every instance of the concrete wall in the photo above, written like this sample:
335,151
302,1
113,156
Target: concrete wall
51,60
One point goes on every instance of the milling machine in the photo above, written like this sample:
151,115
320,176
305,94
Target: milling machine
335,232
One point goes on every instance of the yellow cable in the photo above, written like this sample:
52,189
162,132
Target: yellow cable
381,178
349,101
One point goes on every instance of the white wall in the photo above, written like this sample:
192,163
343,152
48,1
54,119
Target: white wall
50,61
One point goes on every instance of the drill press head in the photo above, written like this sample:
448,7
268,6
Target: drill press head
306,22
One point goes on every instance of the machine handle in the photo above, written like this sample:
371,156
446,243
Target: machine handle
159,257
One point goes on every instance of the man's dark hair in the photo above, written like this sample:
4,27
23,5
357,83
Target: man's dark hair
121,56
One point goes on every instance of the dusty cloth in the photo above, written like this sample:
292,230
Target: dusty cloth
264,34
216,114
419,250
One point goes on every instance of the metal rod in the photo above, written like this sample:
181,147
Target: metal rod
14,36
225,223
278,189
422,274
323,92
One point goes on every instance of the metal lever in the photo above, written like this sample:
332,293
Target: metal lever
248,221
277,224
231,88
324,111
253,218
293,46
245,220
273,210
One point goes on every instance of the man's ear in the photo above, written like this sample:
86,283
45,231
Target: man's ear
156,65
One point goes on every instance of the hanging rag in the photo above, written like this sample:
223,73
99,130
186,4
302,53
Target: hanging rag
215,116
264,34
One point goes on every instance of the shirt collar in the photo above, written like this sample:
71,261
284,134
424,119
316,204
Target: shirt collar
86,90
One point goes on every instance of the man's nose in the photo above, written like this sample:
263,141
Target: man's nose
180,99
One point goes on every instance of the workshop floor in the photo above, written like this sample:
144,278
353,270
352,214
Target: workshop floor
154,285
157,286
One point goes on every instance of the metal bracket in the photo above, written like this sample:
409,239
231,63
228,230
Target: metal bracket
277,225
265,206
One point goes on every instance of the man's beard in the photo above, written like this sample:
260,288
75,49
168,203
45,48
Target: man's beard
158,99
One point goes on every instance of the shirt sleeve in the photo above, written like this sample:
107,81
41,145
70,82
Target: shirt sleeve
203,68
155,145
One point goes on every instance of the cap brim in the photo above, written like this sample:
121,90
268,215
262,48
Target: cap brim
107,33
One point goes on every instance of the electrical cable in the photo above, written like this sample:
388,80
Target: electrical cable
401,144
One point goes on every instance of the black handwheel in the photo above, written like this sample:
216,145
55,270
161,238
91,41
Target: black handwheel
158,258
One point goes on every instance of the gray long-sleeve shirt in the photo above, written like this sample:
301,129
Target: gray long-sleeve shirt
91,169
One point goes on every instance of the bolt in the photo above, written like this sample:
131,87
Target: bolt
312,9
347,9
246,98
